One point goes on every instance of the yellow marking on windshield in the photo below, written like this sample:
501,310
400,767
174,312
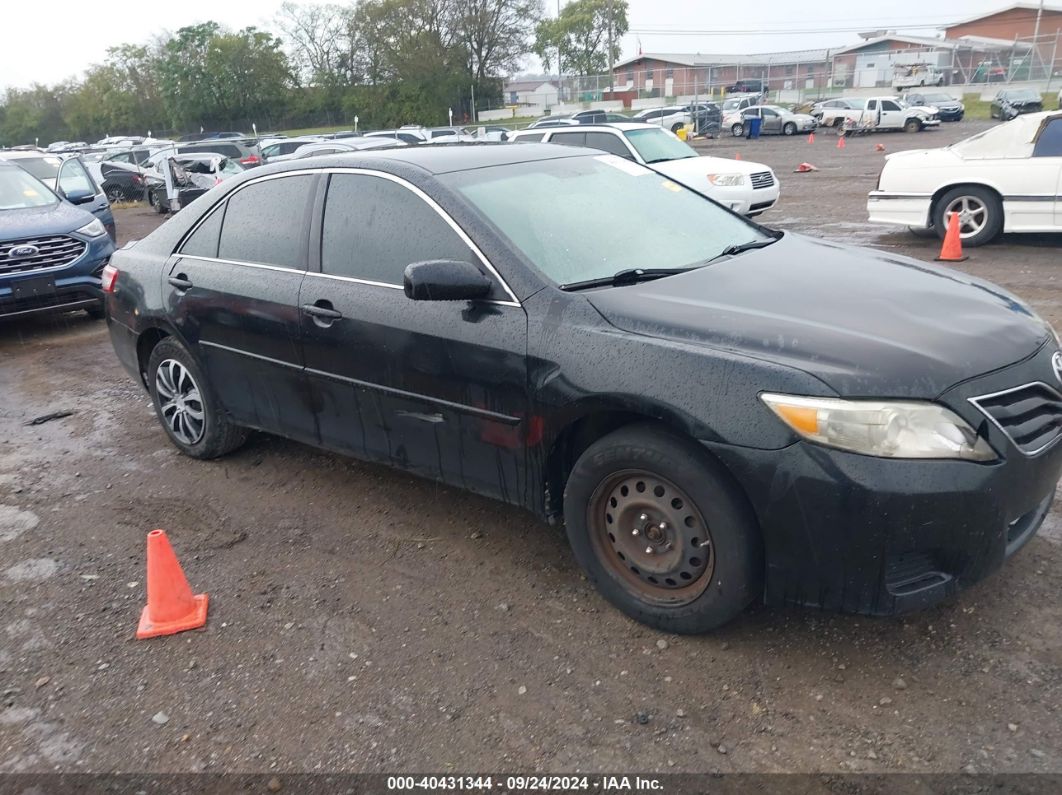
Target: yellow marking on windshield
672,186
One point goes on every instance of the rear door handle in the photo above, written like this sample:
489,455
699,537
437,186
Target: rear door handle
324,312
181,282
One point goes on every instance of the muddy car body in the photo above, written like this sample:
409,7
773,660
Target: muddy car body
763,416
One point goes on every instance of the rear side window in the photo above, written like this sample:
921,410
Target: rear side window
1049,144
531,137
203,242
366,231
265,222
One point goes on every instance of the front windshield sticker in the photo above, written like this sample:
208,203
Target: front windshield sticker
624,165
674,187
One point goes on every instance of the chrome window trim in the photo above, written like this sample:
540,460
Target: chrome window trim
513,300
1031,453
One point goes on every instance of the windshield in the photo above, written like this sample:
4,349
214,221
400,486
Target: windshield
732,104
656,145
43,168
19,190
1022,94
1013,139
937,98
581,218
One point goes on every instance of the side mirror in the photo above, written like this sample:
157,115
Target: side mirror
79,196
445,280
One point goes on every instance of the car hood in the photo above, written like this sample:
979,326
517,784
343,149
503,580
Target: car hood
867,323
52,219
697,169
921,158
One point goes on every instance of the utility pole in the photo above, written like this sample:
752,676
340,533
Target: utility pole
610,64
1036,37
560,68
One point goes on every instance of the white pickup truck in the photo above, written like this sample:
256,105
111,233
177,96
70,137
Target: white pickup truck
882,113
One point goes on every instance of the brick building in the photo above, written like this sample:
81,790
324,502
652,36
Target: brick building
679,74
1017,21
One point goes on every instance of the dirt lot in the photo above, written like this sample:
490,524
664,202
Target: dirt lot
364,620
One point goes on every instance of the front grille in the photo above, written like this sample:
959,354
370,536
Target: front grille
52,252
762,179
1030,415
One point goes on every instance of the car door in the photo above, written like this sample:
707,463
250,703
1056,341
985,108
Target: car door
438,388
1047,159
76,185
772,122
891,116
232,292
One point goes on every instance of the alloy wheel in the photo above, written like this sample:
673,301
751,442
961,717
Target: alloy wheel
652,537
180,401
972,212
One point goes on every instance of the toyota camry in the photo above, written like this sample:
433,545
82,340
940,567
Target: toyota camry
717,413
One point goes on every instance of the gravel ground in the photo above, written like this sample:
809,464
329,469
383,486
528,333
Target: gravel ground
364,620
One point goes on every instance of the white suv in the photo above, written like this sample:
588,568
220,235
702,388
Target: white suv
743,186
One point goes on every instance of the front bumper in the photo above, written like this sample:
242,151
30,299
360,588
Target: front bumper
77,285
881,536
903,209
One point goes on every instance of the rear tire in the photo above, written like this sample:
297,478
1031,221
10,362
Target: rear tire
675,128
96,312
737,130
707,560
980,214
186,406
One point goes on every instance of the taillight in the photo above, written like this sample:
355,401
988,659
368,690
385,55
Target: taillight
137,179
250,160
109,278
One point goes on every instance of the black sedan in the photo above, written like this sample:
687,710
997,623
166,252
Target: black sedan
950,109
717,412
1011,102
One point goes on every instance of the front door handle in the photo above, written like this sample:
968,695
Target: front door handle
322,312
181,282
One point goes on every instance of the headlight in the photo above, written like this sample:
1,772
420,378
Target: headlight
890,429
93,228
722,180
962,107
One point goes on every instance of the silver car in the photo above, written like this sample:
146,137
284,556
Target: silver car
776,121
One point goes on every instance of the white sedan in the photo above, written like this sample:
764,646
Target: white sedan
1005,179
744,186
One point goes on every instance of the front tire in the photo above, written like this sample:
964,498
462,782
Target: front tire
789,128
980,214
186,406
912,126
662,531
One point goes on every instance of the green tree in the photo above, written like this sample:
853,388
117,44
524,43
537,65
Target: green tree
580,35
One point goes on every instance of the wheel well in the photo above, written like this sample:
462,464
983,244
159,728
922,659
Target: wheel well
145,344
573,441
940,193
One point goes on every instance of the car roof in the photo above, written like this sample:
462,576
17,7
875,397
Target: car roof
620,126
442,158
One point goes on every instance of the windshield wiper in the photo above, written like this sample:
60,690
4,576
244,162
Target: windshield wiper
739,248
624,278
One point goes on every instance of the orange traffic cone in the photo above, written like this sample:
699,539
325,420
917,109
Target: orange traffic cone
804,168
840,141
951,251
171,607
811,138
737,155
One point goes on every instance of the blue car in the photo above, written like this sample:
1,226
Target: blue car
67,176
52,253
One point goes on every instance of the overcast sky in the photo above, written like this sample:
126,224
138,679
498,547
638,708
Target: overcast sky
54,41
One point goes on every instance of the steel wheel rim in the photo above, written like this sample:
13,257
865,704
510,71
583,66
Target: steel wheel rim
651,537
180,402
972,212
